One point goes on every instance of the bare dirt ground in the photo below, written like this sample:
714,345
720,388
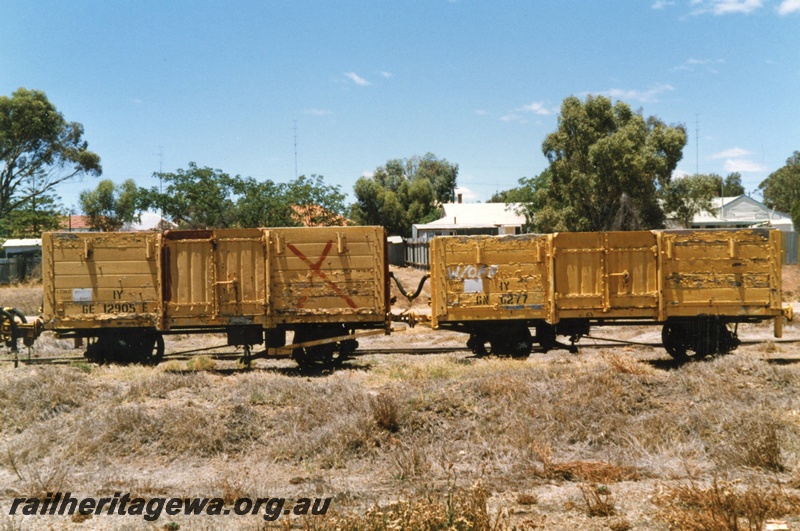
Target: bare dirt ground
610,438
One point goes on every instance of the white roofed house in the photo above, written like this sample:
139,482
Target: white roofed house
741,212
463,219
472,218
23,258
745,212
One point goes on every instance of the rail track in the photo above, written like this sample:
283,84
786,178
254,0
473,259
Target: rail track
587,343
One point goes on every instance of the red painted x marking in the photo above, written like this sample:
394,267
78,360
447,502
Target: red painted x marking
317,271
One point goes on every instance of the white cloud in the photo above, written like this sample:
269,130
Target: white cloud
368,174
643,96
661,4
743,166
355,78
732,153
316,112
385,74
692,64
789,6
513,117
679,174
466,193
736,161
518,114
726,7
537,108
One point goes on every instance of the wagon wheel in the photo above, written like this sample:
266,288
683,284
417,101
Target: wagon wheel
136,346
673,336
151,348
514,342
326,356
318,357
477,344
95,351
521,344
546,336
703,337
715,338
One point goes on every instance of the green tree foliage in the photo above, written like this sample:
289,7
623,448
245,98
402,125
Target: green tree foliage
196,198
404,192
607,164
109,206
732,185
686,197
781,188
304,201
204,198
36,140
41,212
531,195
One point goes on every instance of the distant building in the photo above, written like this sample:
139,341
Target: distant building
151,221
75,223
317,216
472,218
22,246
23,258
739,212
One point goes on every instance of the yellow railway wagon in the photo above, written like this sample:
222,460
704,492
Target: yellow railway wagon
694,282
100,280
328,274
122,291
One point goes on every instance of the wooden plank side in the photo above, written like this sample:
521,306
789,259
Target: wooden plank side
101,279
326,272
108,268
299,266
315,235
490,277
216,277
106,281
726,272
578,266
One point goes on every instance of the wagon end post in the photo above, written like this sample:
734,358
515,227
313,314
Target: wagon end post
787,312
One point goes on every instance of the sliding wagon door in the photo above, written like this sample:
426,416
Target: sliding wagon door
215,277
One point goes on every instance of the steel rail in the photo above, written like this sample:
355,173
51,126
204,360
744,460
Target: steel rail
415,351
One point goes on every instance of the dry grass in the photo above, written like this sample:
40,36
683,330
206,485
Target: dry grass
790,282
537,433
724,506
26,297
457,509
35,395
597,499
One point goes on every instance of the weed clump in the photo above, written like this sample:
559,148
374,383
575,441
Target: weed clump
723,506
457,509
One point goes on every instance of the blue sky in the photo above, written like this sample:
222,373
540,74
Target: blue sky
230,85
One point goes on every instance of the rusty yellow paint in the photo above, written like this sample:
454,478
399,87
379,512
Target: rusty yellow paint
204,278
91,280
721,272
490,277
649,275
605,274
335,274
214,277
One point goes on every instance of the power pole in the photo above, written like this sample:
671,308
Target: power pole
696,143
160,184
295,149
